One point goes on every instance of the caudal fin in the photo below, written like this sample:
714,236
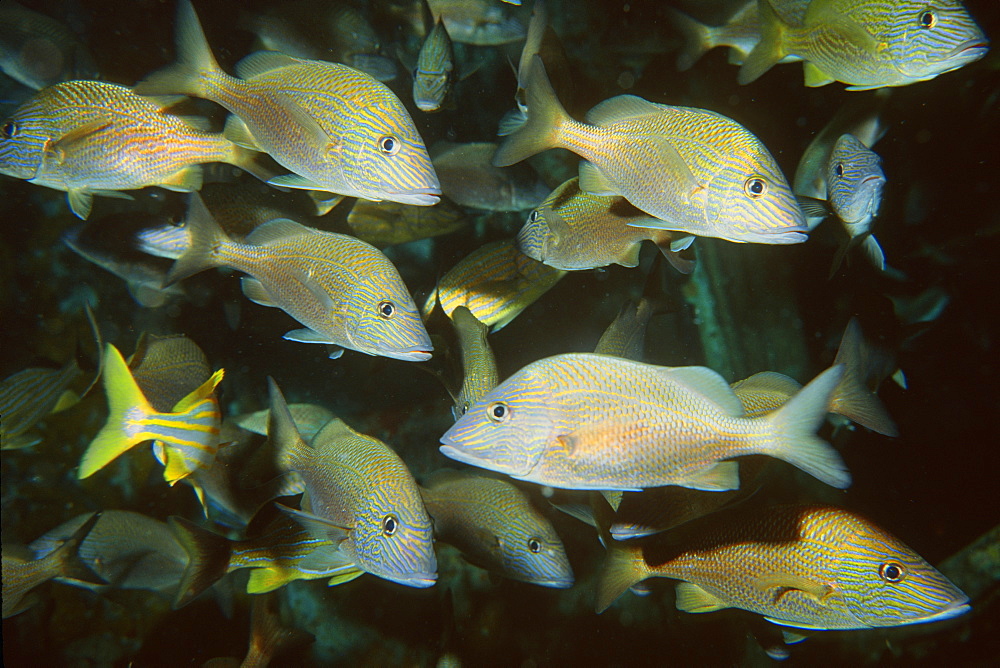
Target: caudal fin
623,568
67,558
195,66
864,367
697,38
206,236
794,430
769,49
127,407
541,129
208,559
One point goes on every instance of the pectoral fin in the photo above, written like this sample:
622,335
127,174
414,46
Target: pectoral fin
692,598
784,582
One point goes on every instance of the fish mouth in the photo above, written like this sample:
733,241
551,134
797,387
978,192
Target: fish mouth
953,610
972,49
784,236
459,456
557,583
417,196
418,580
415,354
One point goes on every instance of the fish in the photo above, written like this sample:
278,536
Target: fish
667,162
433,73
269,636
586,421
280,544
168,368
346,292
495,526
360,495
575,230
478,22
126,549
626,335
39,51
335,128
806,567
853,397
479,366
187,436
91,137
27,396
389,223
469,179
23,573
538,25
308,419
868,43
313,30
495,282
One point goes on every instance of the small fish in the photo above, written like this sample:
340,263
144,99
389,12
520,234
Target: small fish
495,526
308,419
868,43
807,567
469,178
39,51
280,544
89,137
854,396
346,292
361,495
126,549
336,129
187,436
586,421
479,366
434,70
575,230
478,22
666,161
22,572
495,282
389,223
626,335
28,396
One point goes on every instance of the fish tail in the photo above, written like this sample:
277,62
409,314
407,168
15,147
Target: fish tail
623,568
66,558
281,430
698,38
794,428
208,559
196,67
852,398
545,115
206,237
770,49
127,409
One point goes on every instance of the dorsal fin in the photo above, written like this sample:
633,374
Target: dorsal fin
263,61
277,229
708,384
620,108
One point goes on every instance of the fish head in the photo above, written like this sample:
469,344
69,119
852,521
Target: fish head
885,583
508,429
393,536
24,138
535,235
384,320
531,551
389,160
854,180
749,200
925,39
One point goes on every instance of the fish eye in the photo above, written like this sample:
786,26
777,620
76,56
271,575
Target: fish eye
8,130
533,216
534,545
839,169
498,411
755,187
928,20
386,310
389,525
892,572
388,144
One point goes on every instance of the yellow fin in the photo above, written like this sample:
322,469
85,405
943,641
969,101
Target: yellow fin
341,578
623,568
200,393
263,580
719,477
814,76
780,581
185,180
692,598
66,400
64,144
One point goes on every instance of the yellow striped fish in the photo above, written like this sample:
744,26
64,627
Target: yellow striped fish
808,567
575,230
188,436
495,282
388,223
28,396
346,292
479,367
434,71
361,495
336,129
495,526
587,421
693,170
90,137
868,43
281,544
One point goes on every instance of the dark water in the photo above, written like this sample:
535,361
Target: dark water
934,486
